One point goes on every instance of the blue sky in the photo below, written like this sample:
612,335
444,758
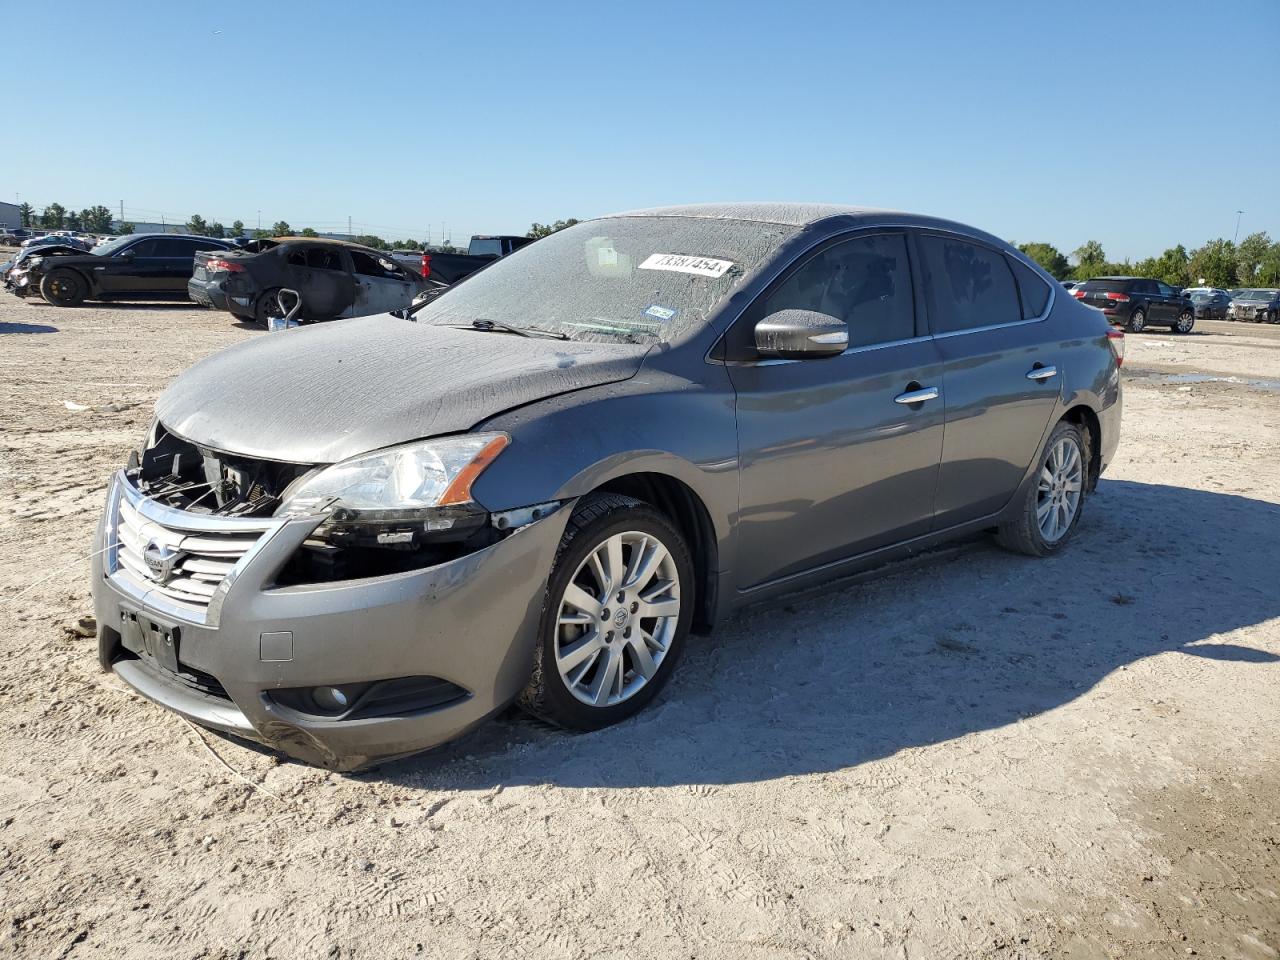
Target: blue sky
1136,124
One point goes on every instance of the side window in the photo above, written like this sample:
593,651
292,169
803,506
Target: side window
969,285
1165,289
1146,286
324,258
1035,292
297,258
866,282
145,248
172,247
380,267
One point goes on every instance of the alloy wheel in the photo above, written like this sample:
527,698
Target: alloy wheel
1185,322
1059,490
617,619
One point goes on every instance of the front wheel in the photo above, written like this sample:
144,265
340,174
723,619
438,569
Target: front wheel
62,288
1186,320
1045,517
616,615
1138,321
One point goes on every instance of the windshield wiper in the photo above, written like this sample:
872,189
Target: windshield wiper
494,326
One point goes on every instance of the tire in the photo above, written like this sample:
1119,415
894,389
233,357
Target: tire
1024,532
62,288
1186,321
267,306
1137,321
561,700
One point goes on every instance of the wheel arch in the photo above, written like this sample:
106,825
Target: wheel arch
682,505
1087,420
89,288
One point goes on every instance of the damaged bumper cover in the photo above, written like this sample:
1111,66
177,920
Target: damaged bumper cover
421,656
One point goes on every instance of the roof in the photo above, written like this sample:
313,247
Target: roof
787,214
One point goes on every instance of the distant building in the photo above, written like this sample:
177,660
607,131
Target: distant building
10,216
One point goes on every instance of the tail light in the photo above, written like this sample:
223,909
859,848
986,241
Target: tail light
426,264
1116,339
1078,294
1118,297
218,265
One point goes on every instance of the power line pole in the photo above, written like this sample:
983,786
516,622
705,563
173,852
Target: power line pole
348,227
1237,236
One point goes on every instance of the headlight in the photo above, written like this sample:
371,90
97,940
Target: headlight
425,485
32,262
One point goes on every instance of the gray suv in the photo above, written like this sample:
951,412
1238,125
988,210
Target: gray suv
354,541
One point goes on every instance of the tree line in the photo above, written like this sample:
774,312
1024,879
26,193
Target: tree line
99,220
1254,261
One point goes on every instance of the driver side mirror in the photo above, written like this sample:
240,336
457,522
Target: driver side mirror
801,335
128,254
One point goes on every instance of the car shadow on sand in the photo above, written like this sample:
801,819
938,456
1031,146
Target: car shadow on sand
974,642
26,328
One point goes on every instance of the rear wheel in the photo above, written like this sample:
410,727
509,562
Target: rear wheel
1137,321
1050,507
62,288
268,306
1186,320
616,615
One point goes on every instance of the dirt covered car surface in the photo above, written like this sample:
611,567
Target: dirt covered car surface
332,278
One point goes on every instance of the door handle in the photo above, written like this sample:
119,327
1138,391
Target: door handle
917,396
1042,373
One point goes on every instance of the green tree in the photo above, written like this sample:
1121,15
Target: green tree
54,217
27,214
308,232
1170,266
409,245
217,230
281,228
198,225
1049,257
1214,264
237,228
369,240
539,230
1250,254
260,234
73,221
124,228
1268,272
96,219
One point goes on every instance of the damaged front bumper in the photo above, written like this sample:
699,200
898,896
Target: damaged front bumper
18,282
434,651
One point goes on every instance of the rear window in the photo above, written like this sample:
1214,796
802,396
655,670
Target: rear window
1034,290
1106,286
969,285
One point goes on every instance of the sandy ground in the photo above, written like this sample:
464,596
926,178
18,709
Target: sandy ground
983,756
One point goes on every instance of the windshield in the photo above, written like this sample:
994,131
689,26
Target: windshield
1201,296
111,246
632,278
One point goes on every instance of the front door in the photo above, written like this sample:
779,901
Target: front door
832,463
132,269
380,285
1003,381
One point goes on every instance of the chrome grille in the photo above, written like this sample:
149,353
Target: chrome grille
172,559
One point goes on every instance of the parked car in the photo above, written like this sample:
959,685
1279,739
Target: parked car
54,239
357,540
1137,302
452,267
1256,305
1209,303
15,236
333,278
135,267
14,268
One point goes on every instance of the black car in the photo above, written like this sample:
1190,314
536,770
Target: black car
1137,302
1256,305
1210,303
136,267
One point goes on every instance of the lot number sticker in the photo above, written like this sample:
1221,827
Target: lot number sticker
679,263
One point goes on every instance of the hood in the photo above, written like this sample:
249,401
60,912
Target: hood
53,250
323,393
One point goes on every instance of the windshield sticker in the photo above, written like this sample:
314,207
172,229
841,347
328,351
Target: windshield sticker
660,313
678,263
606,256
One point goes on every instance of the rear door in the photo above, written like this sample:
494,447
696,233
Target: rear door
380,285
321,274
1002,379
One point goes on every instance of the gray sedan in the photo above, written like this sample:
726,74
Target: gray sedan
358,540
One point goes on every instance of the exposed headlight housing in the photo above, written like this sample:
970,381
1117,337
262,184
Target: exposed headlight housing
397,496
